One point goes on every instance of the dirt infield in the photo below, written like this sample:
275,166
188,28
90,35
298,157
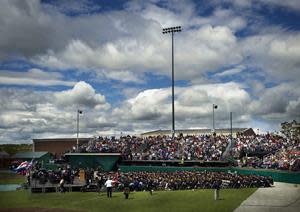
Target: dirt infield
37,210
282,197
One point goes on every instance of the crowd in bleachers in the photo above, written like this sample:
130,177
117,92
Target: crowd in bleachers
283,159
268,151
206,147
259,144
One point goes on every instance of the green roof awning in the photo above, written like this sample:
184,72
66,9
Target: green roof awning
33,155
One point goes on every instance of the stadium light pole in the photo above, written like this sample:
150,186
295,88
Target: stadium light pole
231,128
213,118
77,141
172,30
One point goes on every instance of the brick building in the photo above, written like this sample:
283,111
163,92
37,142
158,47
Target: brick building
56,146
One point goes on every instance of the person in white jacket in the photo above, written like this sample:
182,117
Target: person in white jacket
109,185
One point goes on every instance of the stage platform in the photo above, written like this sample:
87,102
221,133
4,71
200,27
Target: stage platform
37,187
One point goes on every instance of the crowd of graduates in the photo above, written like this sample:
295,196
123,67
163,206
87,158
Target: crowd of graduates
40,175
150,181
181,180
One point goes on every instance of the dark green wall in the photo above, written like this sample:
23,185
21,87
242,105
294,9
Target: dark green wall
93,161
45,158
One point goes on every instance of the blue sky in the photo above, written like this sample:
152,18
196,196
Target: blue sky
110,59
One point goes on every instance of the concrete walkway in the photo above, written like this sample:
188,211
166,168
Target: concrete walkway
282,197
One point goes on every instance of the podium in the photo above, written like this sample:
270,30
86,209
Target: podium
81,175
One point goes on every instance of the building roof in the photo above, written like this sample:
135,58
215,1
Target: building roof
60,139
3,154
32,155
196,131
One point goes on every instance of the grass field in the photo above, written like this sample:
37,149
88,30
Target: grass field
11,178
198,200
138,201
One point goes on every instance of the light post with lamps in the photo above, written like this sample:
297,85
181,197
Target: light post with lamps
213,121
172,30
77,141
231,127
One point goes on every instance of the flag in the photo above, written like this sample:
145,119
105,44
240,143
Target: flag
23,166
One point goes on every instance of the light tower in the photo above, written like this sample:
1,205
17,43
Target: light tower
172,30
77,141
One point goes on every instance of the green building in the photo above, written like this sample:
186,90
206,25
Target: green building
106,161
42,157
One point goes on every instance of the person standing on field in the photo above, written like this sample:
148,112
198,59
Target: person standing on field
109,185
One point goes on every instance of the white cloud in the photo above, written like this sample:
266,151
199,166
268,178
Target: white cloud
133,42
124,76
33,82
293,108
27,29
230,72
278,102
32,73
223,17
276,54
196,52
290,4
74,7
35,77
81,95
152,108
27,114
167,17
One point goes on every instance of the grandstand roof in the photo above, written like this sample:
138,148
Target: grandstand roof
197,131
59,139
32,155
3,154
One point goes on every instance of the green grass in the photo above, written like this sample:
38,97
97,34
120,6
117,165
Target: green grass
198,200
11,178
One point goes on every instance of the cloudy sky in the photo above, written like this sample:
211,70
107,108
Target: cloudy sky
111,60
